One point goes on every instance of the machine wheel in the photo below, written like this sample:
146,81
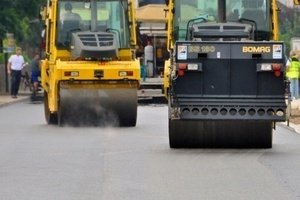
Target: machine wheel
129,121
60,115
51,118
68,111
128,115
220,134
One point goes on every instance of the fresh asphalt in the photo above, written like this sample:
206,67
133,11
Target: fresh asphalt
6,99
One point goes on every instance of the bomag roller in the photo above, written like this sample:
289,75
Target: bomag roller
225,86
89,74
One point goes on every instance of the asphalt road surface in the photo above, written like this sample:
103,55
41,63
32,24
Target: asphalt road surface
39,161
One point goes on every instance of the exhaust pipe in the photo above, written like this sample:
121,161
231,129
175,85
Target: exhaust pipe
222,11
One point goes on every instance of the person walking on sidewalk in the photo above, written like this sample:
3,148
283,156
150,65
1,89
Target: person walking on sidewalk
14,68
35,73
292,73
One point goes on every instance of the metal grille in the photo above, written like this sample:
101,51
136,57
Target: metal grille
94,40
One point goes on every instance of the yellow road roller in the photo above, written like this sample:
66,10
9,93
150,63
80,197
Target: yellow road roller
89,72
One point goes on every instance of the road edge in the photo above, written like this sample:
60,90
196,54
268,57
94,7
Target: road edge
23,99
292,127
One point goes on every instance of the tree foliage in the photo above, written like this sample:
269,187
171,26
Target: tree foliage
20,17
289,27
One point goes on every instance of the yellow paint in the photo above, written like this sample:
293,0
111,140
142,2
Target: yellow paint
59,61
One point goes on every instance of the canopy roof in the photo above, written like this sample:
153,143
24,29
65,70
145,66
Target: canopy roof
151,13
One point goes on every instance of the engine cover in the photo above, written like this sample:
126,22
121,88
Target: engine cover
94,45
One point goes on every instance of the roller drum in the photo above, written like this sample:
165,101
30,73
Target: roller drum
97,107
220,134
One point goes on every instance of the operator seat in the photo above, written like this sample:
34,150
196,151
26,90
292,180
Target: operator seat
67,27
253,10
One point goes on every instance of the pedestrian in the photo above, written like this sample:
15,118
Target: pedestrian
148,54
292,73
35,74
14,67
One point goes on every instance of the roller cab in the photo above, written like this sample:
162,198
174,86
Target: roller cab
90,74
230,92
226,86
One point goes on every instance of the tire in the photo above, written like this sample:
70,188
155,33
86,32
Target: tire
127,117
51,118
129,122
64,114
60,116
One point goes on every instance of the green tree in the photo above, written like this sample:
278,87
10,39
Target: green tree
289,23
20,17
289,30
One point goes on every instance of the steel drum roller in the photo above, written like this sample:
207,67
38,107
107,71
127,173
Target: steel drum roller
220,134
97,106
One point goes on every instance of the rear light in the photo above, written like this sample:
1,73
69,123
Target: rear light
71,73
125,73
189,66
182,66
180,72
269,67
277,73
192,66
130,73
266,67
276,67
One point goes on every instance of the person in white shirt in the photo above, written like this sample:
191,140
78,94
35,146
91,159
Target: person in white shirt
14,68
69,15
69,21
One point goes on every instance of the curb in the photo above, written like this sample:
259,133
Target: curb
292,127
284,125
23,99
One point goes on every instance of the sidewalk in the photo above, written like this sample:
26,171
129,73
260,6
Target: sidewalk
292,127
6,99
295,104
